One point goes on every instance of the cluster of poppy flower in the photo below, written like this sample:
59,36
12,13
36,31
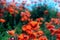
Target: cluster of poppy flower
12,9
52,28
31,30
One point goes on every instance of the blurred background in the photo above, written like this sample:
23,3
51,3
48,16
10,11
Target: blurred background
55,4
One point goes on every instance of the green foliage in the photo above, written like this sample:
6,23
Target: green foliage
4,36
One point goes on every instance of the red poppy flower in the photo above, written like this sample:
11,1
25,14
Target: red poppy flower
58,36
50,27
53,31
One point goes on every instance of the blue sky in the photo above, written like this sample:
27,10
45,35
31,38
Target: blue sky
50,3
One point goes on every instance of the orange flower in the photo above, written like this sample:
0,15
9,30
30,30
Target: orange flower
26,27
29,31
2,20
36,28
11,32
23,37
35,33
33,24
24,18
43,38
40,33
27,13
11,10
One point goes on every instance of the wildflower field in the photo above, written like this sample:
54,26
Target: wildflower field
19,23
